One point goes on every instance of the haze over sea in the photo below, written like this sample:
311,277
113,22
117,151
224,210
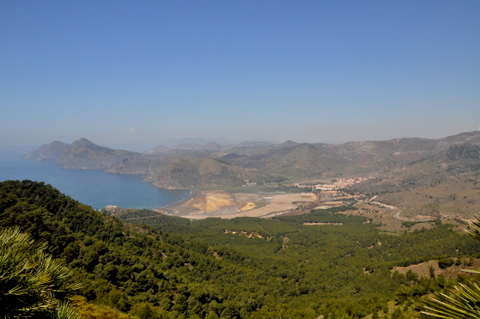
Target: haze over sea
90,187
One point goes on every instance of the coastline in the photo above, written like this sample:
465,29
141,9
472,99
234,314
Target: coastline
168,209
93,187
179,202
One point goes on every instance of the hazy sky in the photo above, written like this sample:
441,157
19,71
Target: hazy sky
135,73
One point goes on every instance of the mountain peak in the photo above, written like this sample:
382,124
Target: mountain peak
289,143
472,137
82,142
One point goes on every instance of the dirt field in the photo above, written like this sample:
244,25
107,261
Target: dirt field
423,269
225,205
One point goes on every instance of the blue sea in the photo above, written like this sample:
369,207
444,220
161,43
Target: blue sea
90,187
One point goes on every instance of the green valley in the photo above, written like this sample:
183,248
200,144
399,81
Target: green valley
324,263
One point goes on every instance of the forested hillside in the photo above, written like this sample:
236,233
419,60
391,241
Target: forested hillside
321,263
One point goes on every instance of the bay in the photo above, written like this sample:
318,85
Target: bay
91,187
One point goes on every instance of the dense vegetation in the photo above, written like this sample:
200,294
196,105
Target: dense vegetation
321,263
32,284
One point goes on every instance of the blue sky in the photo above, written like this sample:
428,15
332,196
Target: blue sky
132,74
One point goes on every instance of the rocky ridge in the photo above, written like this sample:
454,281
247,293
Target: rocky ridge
209,165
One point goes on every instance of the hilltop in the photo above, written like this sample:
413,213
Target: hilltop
295,160
396,169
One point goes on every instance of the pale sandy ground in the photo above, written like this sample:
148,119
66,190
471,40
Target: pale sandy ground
278,204
275,203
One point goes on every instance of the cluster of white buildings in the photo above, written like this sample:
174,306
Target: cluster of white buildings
334,184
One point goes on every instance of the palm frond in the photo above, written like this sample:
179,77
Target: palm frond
32,284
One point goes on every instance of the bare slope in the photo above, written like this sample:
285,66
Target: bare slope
399,164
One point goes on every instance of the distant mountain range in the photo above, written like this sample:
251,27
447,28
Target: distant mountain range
203,163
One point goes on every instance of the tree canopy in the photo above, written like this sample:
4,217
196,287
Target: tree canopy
321,263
